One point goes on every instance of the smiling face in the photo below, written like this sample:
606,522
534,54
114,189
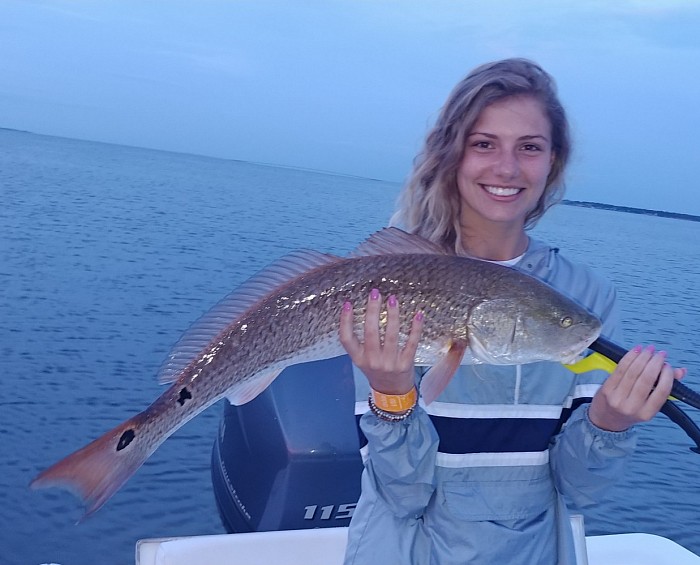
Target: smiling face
507,158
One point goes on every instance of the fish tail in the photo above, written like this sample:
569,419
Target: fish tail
95,472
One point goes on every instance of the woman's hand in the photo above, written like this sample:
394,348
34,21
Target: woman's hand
388,367
635,391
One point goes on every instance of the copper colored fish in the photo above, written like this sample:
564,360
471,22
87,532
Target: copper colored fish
289,313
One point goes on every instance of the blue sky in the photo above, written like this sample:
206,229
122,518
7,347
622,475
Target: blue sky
351,86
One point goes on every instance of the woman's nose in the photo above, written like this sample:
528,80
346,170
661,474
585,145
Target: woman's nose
507,165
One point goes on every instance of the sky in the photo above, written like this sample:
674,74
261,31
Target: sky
352,86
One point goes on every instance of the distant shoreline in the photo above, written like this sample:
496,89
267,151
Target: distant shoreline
580,203
630,210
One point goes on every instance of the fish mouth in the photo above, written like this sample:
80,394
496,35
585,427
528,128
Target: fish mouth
573,358
580,351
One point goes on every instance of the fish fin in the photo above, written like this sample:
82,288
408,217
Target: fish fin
250,388
95,472
440,374
212,324
395,241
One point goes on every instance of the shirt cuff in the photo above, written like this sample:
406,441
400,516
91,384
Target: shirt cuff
606,435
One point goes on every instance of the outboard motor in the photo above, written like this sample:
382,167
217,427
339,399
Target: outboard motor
289,459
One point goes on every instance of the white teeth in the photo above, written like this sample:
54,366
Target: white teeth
501,191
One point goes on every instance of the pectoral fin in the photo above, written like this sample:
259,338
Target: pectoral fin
436,379
247,390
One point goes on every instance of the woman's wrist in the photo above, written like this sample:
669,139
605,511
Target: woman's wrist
395,403
614,425
393,407
387,416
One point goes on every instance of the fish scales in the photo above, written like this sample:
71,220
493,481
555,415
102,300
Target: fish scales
502,315
286,326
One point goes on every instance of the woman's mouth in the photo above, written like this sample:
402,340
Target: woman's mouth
501,190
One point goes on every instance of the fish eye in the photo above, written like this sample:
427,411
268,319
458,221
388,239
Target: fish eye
566,322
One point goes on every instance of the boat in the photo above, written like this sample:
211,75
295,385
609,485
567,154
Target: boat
326,546
286,483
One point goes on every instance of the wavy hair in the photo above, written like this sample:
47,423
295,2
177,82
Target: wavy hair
429,204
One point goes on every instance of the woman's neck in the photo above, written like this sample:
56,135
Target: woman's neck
494,244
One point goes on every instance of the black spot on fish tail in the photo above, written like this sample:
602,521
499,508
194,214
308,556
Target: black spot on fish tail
184,395
127,437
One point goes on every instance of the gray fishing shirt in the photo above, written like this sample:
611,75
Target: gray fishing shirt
487,474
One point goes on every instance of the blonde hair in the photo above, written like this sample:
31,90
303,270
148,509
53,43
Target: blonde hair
429,204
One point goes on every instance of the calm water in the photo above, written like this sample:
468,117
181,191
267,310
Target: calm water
108,253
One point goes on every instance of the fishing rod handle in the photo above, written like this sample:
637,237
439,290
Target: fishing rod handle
615,352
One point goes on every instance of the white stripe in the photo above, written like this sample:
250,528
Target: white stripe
457,460
454,410
582,391
586,391
361,407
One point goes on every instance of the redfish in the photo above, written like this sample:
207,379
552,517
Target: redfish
474,311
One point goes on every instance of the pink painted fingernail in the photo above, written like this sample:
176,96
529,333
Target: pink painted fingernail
651,348
347,307
662,353
391,301
419,315
637,348
374,294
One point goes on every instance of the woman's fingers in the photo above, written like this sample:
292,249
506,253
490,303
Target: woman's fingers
391,334
644,375
371,332
411,346
635,391
348,339
378,352
373,339
659,394
623,378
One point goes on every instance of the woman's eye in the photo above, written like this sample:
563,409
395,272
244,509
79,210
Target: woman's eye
531,147
482,144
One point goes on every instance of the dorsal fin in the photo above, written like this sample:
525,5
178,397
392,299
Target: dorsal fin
216,320
395,241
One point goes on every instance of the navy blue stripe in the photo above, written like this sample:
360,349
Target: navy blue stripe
493,435
566,412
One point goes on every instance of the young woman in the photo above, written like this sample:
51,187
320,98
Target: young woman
486,474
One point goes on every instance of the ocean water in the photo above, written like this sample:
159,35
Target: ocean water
108,253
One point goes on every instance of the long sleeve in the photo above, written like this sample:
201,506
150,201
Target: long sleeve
401,461
398,483
586,460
